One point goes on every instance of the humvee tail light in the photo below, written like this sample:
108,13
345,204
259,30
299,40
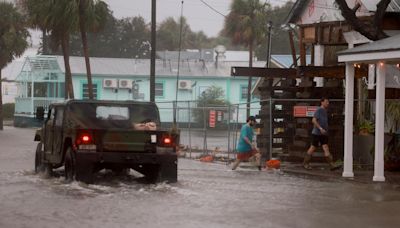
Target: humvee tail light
85,138
167,140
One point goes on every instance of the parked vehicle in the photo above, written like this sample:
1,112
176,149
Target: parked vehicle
86,136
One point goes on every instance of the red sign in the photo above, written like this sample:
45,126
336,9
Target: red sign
304,111
211,119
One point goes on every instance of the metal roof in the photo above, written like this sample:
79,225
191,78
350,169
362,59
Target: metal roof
388,44
394,5
141,67
286,61
205,54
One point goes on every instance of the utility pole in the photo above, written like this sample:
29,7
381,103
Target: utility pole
269,26
179,61
270,82
153,52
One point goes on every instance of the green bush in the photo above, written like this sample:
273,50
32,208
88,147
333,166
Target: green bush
8,111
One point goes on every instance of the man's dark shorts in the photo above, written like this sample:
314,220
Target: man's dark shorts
319,140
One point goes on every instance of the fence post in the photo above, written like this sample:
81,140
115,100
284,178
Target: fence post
270,128
229,131
205,131
237,122
190,134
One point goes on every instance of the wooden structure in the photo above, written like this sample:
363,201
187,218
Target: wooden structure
382,54
321,33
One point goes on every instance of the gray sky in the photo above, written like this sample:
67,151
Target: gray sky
199,16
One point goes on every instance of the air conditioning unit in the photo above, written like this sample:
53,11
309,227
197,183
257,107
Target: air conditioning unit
110,83
184,84
125,84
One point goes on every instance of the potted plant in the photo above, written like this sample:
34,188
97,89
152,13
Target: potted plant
392,150
363,142
365,127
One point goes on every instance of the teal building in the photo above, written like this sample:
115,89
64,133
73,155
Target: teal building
41,82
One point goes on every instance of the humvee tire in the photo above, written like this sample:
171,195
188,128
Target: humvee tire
75,171
166,171
39,166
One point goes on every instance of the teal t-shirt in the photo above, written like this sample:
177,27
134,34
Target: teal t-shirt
248,132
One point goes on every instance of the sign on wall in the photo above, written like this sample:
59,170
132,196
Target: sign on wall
304,111
211,119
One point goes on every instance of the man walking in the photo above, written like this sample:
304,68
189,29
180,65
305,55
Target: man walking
245,147
320,135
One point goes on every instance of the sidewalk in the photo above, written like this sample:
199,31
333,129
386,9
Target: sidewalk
321,170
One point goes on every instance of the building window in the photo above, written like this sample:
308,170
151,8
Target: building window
243,92
85,91
159,90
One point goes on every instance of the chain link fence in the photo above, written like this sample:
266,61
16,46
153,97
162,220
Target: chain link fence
283,131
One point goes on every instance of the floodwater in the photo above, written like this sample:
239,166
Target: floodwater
206,195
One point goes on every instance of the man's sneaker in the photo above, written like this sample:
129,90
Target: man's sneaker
259,167
307,166
335,167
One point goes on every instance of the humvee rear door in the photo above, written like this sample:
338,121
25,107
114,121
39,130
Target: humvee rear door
58,131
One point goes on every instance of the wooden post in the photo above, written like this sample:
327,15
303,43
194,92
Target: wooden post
294,57
302,47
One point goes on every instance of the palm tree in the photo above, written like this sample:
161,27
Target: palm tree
92,17
246,25
13,35
59,18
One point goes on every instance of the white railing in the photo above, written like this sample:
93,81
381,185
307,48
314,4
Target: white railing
27,106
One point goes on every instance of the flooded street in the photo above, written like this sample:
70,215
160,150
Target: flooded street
206,195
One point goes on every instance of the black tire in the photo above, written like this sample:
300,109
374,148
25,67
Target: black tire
82,172
121,171
151,172
39,166
169,172
166,171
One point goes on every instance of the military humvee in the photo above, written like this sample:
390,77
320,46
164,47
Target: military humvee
86,136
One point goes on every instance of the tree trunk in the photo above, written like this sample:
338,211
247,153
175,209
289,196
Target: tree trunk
1,104
69,90
82,25
372,31
153,51
248,105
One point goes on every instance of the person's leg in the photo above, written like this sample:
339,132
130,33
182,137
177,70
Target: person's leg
328,157
236,164
307,157
257,156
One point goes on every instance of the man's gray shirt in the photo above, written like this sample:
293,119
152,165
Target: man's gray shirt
322,118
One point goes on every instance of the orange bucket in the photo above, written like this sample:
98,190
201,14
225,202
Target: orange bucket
273,164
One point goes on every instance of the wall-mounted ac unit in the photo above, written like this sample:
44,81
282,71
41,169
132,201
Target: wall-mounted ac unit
110,83
185,84
125,84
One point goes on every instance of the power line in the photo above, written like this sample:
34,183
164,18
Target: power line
212,8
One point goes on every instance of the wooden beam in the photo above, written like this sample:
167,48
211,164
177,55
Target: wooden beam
264,72
328,71
301,71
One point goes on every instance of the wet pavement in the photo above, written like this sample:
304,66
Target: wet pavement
206,195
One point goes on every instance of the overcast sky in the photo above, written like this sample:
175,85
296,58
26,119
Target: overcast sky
199,16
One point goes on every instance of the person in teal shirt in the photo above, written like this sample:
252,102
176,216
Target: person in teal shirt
245,147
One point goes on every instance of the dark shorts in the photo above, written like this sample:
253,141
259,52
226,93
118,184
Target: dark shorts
319,140
246,155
